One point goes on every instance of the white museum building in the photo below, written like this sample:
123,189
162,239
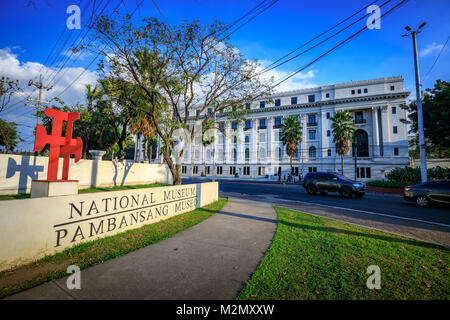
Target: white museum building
253,149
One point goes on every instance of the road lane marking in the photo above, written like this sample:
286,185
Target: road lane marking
363,211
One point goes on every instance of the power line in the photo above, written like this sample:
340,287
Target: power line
84,70
437,58
275,65
336,47
260,12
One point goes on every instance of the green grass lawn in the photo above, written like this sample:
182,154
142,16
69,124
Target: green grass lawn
87,190
98,251
318,258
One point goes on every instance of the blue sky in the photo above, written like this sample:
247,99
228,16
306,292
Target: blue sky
27,34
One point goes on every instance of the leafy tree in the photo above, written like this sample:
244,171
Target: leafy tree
343,130
436,120
177,70
291,135
8,135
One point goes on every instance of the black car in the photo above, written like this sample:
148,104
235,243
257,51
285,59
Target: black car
325,182
437,191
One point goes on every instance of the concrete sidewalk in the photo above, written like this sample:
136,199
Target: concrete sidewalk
212,260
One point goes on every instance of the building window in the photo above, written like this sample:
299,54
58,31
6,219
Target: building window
246,171
221,126
262,104
329,152
247,154
261,171
359,91
279,153
262,123
395,151
392,88
247,139
328,115
394,110
361,144
277,123
312,152
195,170
311,98
328,133
363,173
262,154
210,110
277,102
183,169
219,170
197,112
232,170
247,106
359,117
312,169
353,91
327,95
312,120
366,90
312,134
395,129
234,125
293,100
248,124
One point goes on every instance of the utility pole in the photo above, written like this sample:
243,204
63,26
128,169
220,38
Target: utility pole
355,150
423,156
39,101
214,141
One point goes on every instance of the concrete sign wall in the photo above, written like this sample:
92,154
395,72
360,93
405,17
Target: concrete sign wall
33,228
16,173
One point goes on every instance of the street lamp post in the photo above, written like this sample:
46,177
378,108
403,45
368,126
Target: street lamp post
423,156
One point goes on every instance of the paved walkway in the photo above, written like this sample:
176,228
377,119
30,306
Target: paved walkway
212,260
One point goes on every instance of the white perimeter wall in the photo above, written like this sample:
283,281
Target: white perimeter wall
33,228
16,173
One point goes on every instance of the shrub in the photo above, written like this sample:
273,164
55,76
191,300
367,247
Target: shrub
408,175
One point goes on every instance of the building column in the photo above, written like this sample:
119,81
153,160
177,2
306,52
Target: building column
269,140
375,140
254,142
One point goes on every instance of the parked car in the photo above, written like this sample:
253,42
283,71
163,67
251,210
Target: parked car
325,182
437,191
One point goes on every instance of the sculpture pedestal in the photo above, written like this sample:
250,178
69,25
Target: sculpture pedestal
53,188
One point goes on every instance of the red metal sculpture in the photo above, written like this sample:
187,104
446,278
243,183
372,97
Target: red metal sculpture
59,144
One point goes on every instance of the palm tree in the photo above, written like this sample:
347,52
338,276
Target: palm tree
91,96
140,125
343,129
291,135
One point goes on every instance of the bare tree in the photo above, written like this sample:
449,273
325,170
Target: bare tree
178,76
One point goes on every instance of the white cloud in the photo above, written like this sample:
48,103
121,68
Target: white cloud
299,81
430,49
14,69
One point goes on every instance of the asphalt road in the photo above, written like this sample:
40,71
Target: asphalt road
382,204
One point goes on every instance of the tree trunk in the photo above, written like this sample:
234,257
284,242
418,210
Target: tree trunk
292,169
138,148
342,164
145,155
150,156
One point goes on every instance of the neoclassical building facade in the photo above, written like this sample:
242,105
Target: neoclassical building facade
253,148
